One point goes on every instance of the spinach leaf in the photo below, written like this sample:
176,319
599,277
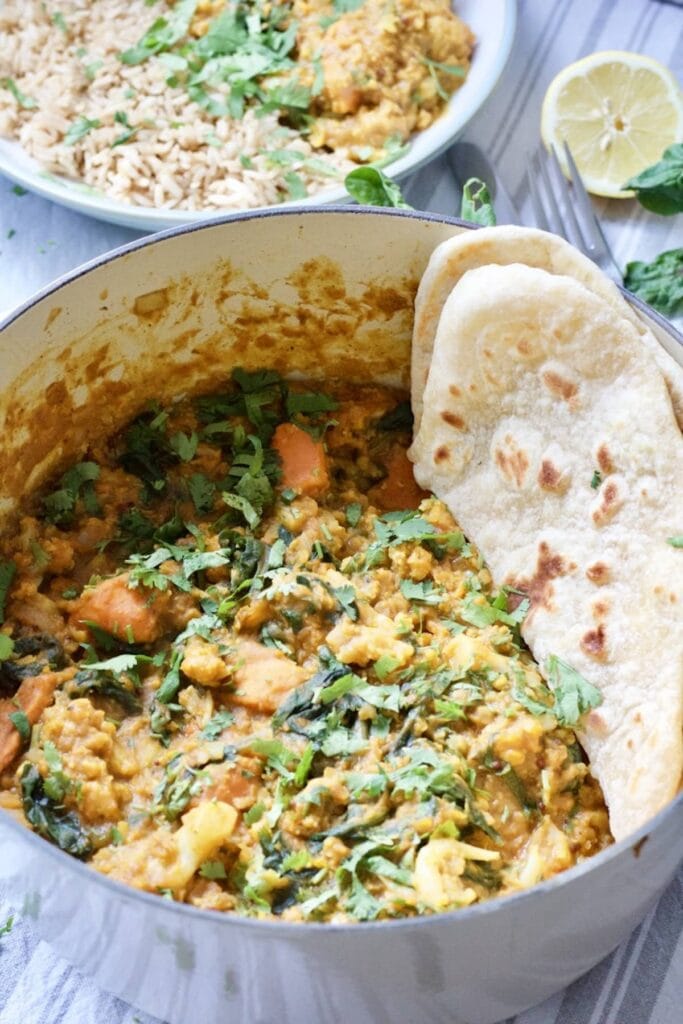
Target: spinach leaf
476,205
7,572
371,187
660,283
49,818
660,188
398,418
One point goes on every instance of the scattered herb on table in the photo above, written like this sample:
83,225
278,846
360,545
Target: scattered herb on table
660,283
477,205
660,188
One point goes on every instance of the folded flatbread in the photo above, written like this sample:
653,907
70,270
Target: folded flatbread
510,244
548,430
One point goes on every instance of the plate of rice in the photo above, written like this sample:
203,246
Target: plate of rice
153,113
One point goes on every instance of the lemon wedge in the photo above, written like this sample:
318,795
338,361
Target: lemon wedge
618,112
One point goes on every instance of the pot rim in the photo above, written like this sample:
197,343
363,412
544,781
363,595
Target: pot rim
277,928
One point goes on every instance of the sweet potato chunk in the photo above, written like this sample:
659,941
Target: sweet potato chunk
304,463
32,697
398,490
263,677
133,615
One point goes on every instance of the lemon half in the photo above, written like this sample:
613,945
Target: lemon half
618,112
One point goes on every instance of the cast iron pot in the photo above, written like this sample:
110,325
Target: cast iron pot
314,293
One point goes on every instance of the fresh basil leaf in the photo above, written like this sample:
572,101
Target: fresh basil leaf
476,205
659,188
371,187
660,282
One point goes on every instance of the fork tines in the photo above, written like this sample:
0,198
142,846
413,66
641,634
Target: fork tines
565,208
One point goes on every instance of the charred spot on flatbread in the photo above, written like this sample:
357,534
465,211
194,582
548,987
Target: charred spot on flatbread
599,573
453,420
611,497
559,385
550,565
512,461
594,643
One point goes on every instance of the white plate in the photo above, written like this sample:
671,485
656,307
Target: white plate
493,23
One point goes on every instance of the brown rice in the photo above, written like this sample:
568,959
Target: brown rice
181,157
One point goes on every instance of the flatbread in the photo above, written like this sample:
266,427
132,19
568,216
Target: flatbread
509,244
536,384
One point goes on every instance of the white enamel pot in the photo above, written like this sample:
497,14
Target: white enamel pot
319,292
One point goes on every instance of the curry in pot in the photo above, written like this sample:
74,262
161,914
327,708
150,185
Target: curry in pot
247,664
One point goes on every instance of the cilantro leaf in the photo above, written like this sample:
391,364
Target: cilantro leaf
573,694
216,725
346,596
353,513
659,188
309,403
79,129
24,101
76,483
660,283
162,34
202,491
476,205
422,593
675,542
21,723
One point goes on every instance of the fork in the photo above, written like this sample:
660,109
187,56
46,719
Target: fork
564,207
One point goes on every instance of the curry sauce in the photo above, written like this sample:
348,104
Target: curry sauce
247,664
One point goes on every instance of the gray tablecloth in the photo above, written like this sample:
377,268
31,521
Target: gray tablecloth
642,982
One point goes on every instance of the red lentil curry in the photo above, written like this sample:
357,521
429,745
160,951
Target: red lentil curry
248,665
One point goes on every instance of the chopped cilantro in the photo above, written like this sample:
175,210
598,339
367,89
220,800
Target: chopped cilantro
77,482
216,725
213,869
24,101
7,926
21,724
80,128
596,479
573,694
422,593
675,542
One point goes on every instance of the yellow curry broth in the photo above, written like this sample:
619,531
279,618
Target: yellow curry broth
306,702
